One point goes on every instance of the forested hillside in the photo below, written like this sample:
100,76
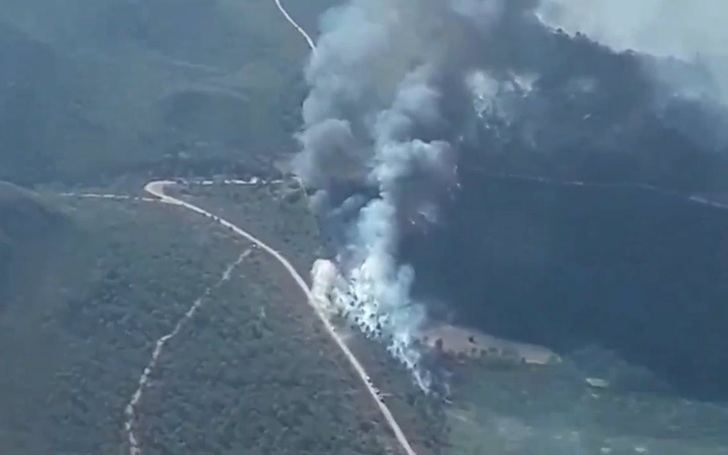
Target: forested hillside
94,89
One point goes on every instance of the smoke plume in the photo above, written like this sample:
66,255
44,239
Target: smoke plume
409,100
376,118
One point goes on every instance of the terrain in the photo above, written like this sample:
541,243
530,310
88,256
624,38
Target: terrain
570,408
98,96
412,417
638,272
28,229
624,282
252,371
95,90
132,326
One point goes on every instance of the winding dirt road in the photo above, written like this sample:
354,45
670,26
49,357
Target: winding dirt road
156,189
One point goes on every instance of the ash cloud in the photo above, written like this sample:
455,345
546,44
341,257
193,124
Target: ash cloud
412,104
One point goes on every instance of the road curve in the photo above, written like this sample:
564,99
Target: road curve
156,189
295,25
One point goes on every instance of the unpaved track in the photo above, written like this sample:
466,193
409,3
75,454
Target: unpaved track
130,411
299,29
157,189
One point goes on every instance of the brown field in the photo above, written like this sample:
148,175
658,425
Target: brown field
471,343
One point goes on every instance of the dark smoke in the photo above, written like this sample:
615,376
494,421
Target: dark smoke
420,111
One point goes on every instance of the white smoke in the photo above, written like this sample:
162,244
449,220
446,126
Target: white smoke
374,89
376,293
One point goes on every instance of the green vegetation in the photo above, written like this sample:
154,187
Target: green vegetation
28,230
77,329
252,372
552,410
422,417
255,373
107,87
277,214
111,88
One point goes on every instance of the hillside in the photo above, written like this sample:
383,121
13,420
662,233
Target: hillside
252,372
28,229
634,271
23,212
94,89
